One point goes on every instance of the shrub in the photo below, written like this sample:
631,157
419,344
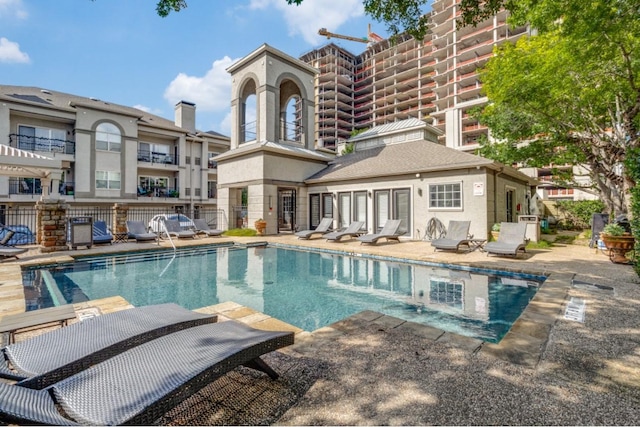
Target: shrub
578,213
613,229
242,232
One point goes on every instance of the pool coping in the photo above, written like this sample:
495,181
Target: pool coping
523,344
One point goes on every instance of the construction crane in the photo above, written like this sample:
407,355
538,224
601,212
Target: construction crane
371,37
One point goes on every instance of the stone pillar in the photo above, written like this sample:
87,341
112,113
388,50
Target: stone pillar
120,214
51,224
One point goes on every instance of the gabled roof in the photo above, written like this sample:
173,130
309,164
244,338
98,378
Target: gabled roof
273,147
398,159
400,126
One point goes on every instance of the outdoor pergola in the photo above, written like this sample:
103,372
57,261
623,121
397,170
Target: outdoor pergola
16,162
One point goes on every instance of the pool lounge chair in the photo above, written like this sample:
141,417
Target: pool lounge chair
203,228
390,231
83,344
101,233
511,240
353,230
457,235
10,251
323,228
175,230
138,231
157,376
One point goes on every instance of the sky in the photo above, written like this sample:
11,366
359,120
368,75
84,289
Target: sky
122,52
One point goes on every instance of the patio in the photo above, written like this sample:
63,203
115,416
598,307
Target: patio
378,370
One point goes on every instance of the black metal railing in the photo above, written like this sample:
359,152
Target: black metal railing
36,143
23,219
154,157
26,186
165,192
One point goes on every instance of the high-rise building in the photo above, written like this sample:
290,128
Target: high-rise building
434,79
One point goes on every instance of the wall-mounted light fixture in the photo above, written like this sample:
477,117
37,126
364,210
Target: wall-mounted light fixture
270,203
418,175
420,192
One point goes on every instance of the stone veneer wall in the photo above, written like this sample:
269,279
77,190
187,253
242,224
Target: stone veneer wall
51,221
120,212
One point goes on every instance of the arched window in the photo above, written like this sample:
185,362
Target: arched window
291,120
108,137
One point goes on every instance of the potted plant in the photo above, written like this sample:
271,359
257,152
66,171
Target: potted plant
618,241
261,226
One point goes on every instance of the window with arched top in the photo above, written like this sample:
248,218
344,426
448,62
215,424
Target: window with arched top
108,137
291,120
248,112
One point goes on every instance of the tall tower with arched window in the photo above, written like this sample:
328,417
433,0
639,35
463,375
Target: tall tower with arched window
272,146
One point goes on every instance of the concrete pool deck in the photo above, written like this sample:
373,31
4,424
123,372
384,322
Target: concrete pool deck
371,369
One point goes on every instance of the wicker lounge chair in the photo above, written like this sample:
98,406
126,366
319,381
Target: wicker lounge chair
101,233
175,230
457,235
156,375
203,228
91,341
353,230
323,228
511,240
138,231
390,231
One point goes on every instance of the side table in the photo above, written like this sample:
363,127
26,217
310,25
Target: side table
121,237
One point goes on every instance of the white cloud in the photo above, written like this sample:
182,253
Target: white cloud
155,111
10,52
225,125
12,9
211,92
305,20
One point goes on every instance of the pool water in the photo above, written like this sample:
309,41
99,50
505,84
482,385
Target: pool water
303,288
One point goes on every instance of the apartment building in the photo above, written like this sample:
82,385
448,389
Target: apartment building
109,153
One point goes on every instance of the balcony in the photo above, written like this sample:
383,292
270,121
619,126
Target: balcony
148,156
46,145
162,192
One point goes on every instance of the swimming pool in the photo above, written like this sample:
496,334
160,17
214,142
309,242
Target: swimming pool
307,289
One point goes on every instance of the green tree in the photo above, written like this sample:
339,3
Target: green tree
571,92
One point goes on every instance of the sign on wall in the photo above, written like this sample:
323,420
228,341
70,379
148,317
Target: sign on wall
478,188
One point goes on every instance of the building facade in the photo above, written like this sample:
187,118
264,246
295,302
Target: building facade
109,153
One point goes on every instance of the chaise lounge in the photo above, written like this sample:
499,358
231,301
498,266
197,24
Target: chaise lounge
9,251
174,229
323,228
83,344
511,240
353,230
157,376
138,231
101,233
457,235
390,231
203,228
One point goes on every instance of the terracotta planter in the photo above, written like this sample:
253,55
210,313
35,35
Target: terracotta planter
261,226
618,247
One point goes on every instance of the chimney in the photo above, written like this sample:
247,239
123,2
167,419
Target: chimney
185,116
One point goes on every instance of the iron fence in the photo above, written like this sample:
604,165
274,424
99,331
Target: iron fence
22,219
